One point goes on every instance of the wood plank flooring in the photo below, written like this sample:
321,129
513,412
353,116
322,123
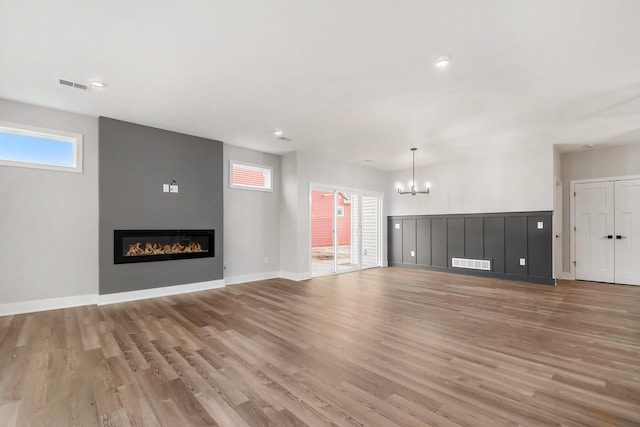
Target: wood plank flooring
382,347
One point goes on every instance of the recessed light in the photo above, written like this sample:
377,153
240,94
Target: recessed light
278,133
97,83
442,62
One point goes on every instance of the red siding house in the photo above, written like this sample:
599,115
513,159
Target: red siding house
322,219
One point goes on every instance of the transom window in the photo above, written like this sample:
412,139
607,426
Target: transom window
30,147
250,177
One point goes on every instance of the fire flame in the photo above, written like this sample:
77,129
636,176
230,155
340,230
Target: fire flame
158,249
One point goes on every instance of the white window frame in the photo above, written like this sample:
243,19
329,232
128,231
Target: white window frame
75,139
261,168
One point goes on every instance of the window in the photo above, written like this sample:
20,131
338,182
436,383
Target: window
31,147
340,211
250,177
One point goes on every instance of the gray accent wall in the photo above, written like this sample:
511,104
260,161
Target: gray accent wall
503,238
135,161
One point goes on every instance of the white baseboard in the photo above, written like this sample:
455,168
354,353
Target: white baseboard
244,278
565,276
46,304
80,300
159,292
295,276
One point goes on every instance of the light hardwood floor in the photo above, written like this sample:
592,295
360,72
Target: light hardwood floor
381,347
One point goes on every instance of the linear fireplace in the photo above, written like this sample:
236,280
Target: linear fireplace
161,245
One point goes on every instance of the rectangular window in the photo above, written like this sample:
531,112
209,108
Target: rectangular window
250,177
31,147
340,211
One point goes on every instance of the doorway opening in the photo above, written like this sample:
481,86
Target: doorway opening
605,218
345,230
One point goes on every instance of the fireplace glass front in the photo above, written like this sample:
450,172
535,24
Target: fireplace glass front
160,245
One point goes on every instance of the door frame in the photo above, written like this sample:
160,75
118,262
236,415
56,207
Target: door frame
328,187
572,212
558,217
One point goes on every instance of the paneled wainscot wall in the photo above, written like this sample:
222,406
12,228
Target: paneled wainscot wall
506,240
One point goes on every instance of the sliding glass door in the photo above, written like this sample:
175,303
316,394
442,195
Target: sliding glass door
345,231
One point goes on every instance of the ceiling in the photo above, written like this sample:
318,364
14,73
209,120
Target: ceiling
348,79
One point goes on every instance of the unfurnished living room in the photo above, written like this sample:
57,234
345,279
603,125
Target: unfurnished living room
320,213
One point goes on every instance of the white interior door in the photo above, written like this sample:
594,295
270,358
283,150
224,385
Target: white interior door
594,221
627,233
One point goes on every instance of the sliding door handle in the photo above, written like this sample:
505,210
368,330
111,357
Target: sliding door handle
619,237
609,236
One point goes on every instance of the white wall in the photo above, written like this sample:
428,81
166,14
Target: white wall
299,170
251,221
49,219
511,182
289,214
591,164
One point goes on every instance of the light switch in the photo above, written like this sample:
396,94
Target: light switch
522,261
397,226
540,225
173,188
165,188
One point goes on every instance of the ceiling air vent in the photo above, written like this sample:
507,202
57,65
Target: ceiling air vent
76,85
284,138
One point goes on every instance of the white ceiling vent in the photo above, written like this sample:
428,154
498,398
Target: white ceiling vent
73,84
474,264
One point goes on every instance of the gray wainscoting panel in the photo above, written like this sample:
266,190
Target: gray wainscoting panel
455,239
515,244
423,241
395,240
503,238
409,241
473,238
494,242
439,242
539,239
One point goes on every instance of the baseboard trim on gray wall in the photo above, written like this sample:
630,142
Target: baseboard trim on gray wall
478,273
159,292
34,306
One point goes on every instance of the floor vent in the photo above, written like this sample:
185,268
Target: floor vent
73,84
474,264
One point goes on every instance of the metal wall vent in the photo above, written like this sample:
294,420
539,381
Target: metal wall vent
474,264
73,84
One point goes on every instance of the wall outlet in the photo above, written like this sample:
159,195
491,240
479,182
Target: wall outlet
266,260
413,253
173,189
522,261
165,188
540,225
397,226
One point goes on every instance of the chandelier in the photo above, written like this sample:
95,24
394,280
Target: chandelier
413,190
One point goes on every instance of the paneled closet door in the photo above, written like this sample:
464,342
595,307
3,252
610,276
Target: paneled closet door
627,233
594,220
